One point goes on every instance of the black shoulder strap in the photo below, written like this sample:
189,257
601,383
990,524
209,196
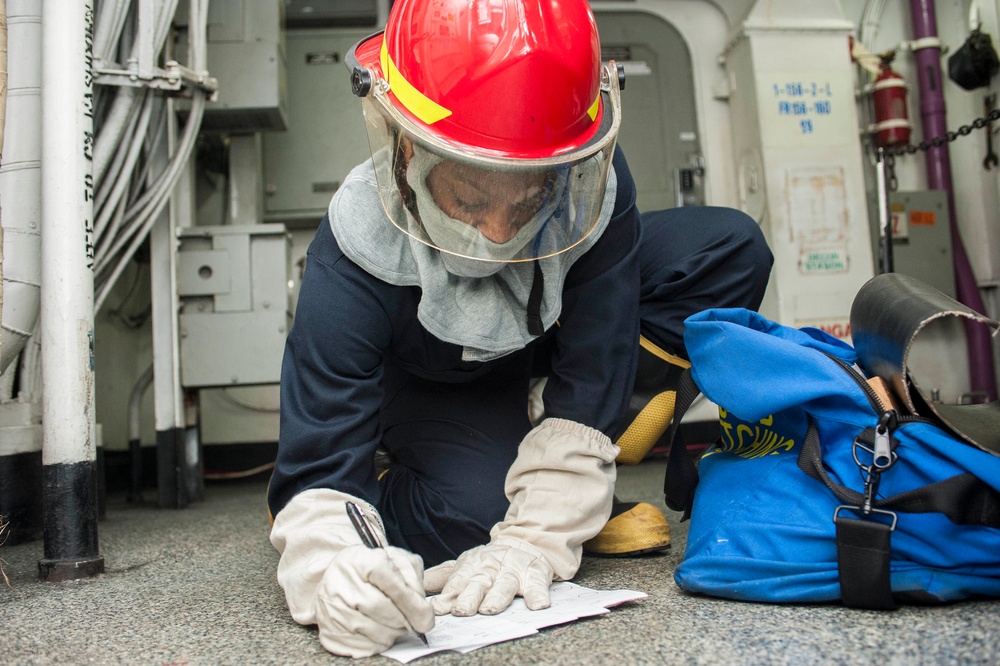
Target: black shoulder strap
963,498
681,476
863,555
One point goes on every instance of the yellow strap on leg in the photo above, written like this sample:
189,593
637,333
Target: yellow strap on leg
646,429
651,408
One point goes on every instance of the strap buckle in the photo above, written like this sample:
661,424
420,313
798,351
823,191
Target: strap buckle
868,513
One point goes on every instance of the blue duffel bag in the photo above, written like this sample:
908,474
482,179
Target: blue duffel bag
822,488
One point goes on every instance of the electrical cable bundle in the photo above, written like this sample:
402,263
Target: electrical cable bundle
131,123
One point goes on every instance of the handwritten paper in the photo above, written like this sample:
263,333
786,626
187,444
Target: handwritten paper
464,634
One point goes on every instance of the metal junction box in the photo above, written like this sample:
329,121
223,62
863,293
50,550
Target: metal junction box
326,137
921,237
235,303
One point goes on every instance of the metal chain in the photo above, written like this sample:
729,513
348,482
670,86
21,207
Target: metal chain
938,141
890,172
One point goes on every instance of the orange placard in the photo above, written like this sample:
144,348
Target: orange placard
923,218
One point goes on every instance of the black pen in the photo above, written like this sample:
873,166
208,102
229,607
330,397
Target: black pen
364,531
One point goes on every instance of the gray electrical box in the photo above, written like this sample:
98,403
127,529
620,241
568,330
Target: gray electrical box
246,55
233,284
326,135
921,238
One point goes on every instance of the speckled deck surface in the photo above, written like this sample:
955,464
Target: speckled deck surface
196,586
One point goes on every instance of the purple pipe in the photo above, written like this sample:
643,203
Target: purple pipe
932,112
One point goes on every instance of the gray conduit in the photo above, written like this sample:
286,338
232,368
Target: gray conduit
20,180
3,119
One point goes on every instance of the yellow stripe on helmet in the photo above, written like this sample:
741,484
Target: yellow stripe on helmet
592,111
414,101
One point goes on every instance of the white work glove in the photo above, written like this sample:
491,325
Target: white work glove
361,599
560,489
486,579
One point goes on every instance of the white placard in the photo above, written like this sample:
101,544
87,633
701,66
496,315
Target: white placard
806,108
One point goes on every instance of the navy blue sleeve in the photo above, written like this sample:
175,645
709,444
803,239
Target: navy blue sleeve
330,379
597,339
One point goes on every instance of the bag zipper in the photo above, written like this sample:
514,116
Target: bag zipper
873,399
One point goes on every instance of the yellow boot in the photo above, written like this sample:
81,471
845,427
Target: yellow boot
635,528
638,528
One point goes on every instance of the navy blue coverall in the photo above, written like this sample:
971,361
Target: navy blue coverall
359,369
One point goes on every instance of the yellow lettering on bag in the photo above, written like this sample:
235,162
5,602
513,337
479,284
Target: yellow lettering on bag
740,430
750,442
727,434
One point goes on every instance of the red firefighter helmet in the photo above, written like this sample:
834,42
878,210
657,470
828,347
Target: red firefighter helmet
497,86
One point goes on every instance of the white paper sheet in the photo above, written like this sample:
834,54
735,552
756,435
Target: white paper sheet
465,634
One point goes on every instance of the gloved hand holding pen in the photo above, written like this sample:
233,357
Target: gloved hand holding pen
361,599
365,531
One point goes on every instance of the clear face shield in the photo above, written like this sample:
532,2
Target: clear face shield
484,209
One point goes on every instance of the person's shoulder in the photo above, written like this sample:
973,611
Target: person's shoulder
324,247
335,267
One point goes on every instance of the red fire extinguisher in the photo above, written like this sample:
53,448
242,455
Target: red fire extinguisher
892,124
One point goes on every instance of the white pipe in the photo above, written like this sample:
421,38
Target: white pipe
3,122
67,216
884,233
870,22
20,180
168,397
199,34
